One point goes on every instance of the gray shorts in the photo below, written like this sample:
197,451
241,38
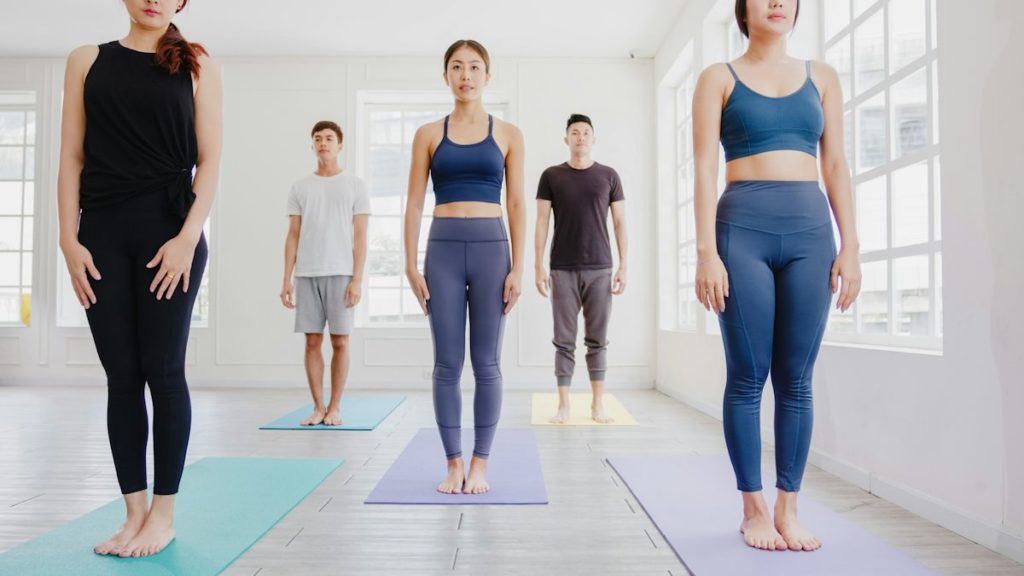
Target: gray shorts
320,300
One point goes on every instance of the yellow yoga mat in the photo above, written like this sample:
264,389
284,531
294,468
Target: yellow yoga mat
546,405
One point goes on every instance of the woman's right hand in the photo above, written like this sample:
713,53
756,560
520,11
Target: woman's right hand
419,287
81,267
712,283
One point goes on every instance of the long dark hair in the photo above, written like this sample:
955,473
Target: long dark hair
174,53
741,16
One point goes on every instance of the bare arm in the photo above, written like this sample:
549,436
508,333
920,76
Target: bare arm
355,286
540,244
175,256
711,283
516,214
419,171
836,174
291,249
622,243
72,159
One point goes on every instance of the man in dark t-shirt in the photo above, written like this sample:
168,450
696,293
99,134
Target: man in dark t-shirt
580,192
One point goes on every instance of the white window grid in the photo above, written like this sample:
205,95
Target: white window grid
886,52
17,205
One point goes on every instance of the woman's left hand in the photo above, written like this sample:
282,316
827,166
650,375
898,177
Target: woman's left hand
175,261
513,288
846,267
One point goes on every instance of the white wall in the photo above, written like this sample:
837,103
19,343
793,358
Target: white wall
938,434
270,103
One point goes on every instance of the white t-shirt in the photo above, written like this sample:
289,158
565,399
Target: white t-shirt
327,205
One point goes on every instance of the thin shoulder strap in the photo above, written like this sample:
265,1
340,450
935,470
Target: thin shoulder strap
490,126
734,75
808,68
446,127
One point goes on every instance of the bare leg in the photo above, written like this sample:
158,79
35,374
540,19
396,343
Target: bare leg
315,378
456,477
597,404
562,416
137,508
339,373
796,536
156,533
757,527
476,481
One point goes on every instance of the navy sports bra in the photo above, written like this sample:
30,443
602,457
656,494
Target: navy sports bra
468,172
753,123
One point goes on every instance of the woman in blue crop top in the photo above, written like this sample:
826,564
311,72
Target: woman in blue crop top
467,155
766,252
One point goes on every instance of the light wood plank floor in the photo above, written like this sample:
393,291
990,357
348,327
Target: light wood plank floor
55,466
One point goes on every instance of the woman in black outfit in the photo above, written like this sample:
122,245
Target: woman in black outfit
140,114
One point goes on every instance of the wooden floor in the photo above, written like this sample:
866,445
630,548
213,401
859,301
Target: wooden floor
55,466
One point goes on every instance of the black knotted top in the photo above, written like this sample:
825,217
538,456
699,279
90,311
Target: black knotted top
140,135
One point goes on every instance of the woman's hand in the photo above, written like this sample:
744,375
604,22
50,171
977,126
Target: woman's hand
419,287
513,288
712,283
81,267
846,268
175,261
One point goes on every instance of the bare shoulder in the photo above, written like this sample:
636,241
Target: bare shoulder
430,131
824,76
715,75
208,64
509,131
80,59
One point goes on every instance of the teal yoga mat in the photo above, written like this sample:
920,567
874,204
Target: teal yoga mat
225,505
357,413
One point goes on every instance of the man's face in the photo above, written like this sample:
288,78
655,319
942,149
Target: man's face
326,144
580,138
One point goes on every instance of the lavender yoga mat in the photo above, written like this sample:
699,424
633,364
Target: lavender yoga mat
513,471
693,502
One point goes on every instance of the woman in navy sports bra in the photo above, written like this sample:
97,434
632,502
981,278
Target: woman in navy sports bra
467,156
767,261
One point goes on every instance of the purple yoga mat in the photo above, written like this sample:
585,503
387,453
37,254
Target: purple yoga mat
513,471
693,502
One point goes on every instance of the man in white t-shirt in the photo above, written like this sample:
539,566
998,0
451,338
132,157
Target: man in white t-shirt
326,250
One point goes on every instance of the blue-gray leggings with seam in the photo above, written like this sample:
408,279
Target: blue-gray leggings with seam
466,265
775,239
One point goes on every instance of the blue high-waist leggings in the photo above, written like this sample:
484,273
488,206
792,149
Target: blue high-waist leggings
466,266
776,240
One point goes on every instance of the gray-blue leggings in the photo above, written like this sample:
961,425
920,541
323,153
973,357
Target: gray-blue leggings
466,266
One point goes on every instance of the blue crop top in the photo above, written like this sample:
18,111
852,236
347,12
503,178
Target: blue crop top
753,123
468,172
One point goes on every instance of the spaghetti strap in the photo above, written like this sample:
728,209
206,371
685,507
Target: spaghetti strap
445,128
734,75
490,126
808,69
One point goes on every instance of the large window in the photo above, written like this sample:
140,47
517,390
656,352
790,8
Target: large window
885,53
686,230
17,202
388,125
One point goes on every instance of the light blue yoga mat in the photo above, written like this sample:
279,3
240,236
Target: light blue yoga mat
357,413
225,505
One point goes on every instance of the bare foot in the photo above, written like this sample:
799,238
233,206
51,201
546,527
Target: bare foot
795,535
759,532
155,535
456,477
476,481
562,416
598,414
333,418
122,537
317,417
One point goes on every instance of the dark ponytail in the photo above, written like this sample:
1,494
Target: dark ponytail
174,53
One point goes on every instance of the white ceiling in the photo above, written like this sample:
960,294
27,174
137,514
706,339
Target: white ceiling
532,28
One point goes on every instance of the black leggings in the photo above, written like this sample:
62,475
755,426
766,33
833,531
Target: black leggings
140,339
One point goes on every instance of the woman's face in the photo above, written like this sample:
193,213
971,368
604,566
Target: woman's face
466,74
771,17
152,14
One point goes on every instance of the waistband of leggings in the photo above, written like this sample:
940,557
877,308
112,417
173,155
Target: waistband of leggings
488,229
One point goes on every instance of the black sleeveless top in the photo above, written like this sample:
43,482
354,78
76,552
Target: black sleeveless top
140,135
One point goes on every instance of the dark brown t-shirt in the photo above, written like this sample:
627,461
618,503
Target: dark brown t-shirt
580,200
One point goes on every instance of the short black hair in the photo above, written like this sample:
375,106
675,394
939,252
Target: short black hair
741,16
578,118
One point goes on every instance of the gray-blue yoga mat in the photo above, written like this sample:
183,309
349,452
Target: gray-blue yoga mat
513,471
224,506
694,503
357,413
